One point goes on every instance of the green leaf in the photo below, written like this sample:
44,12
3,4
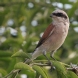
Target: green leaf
20,54
45,71
71,74
5,53
40,71
72,10
61,71
23,66
3,72
11,65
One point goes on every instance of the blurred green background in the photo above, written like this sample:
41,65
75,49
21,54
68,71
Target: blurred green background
22,22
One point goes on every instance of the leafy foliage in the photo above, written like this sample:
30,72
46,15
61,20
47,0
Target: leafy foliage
22,23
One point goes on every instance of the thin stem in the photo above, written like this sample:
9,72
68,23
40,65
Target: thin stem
9,74
12,72
39,64
65,64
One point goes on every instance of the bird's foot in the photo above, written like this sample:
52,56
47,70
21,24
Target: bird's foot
52,54
49,62
52,67
53,58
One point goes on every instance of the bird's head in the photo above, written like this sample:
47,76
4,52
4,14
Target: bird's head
59,15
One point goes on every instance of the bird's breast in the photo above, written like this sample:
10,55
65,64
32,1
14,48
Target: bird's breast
57,38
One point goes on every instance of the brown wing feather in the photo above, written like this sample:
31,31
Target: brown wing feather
46,34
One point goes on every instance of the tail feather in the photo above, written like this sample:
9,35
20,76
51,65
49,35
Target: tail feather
35,54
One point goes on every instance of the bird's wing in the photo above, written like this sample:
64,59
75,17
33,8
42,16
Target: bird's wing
46,34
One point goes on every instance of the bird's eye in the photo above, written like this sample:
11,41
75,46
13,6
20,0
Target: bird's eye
60,15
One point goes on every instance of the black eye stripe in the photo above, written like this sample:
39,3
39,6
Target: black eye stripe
60,15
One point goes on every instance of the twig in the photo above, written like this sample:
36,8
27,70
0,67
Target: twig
40,64
71,67
8,74
65,64
12,72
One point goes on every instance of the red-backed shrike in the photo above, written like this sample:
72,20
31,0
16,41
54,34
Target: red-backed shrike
55,34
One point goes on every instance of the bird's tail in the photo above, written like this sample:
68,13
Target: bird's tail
34,55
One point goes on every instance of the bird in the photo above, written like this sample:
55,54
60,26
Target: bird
54,35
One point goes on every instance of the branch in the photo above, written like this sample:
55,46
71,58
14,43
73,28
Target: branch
71,67
12,72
